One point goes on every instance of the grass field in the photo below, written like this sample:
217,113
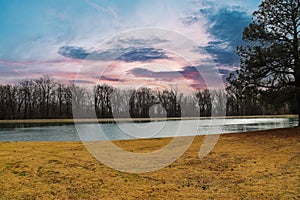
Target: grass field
257,165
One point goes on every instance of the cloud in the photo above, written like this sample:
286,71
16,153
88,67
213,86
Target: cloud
8,71
100,8
110,79
163,75
82,81
73,52
139,41
35,44
225,24
222,55
143,54
122,54
228,24
227,28
189,73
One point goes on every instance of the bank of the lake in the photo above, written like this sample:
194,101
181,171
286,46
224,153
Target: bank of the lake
256,165
109,120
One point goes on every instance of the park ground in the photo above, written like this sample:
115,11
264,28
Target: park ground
254,165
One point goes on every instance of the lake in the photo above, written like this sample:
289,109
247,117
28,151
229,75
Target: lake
130,130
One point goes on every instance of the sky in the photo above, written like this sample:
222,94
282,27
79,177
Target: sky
133,43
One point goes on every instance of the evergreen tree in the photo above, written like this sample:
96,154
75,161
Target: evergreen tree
270,57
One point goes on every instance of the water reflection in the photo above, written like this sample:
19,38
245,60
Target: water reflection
113,131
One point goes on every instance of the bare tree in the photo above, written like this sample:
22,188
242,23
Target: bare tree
46,86
102,103
204,102
170,100
140,103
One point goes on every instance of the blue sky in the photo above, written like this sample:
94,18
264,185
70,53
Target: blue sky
54,37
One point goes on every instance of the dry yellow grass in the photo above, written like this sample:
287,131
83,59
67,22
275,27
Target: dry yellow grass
258,165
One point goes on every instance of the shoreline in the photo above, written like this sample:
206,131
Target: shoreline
111,120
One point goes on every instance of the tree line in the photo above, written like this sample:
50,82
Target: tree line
45,98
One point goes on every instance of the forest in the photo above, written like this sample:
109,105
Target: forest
47,98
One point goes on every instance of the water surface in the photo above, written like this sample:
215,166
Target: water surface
129,130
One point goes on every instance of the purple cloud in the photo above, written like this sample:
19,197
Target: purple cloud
188,72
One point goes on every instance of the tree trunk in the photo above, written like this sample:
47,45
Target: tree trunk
296,55
297,84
